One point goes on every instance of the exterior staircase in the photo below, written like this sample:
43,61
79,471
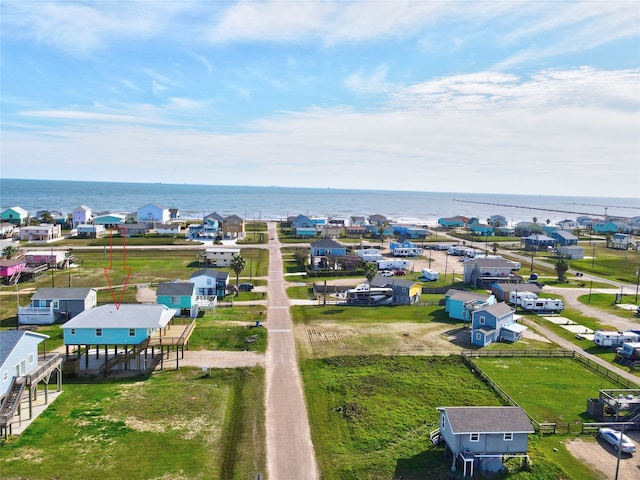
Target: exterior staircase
11,401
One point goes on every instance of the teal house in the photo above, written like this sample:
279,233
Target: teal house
460,303
128,324
15,215
178,295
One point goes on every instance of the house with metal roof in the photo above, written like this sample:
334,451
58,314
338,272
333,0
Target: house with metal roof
178,295
480,438
49,305
210,282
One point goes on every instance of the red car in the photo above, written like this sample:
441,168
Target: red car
399,272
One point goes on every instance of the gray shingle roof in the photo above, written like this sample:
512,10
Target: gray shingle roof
497,309
487,420
61,293
210,272
176,288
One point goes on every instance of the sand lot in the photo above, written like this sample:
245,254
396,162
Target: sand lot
600,455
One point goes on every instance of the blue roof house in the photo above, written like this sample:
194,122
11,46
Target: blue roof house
481,229
303,226
494,323
605,227
460,303
327,246
451,222
538,241
402,243
564,238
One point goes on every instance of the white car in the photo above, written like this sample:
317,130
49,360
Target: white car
386,273
612,437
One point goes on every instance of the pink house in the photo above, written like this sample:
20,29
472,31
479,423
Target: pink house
9,268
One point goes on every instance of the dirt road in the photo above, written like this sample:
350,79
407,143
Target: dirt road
290,452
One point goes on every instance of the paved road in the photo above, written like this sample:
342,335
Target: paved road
290,453
571,295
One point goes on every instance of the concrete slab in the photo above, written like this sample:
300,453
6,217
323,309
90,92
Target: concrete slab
560,320
581,329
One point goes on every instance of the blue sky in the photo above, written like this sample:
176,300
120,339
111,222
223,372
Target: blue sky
537,97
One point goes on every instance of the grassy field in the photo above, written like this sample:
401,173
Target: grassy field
363,314
549,389
230,328
172,425
371,417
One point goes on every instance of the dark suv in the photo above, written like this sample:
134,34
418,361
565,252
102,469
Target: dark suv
245,287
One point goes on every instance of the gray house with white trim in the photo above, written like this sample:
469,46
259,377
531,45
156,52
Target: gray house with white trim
480,437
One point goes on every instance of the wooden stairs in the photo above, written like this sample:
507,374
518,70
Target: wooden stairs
11,401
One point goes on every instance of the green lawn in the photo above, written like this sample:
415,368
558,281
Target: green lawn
549,389
172,425
363,314
371,416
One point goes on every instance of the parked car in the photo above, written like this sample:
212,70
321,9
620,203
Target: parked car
399,272
245,287
612,437
386,273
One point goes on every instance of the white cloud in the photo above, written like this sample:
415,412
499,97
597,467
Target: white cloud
374,83
482,132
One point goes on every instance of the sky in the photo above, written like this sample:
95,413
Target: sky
531,97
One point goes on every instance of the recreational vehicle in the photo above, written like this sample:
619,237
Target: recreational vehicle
364,294
615,339
541,304
407,252
430,275
393,264
517,297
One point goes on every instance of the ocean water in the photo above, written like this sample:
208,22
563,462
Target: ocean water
252,203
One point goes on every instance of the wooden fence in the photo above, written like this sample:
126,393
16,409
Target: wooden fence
544,427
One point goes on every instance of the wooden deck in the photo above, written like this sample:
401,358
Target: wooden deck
177,333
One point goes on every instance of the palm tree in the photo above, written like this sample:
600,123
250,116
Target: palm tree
370,271
561,268
495,248
238,264
9,251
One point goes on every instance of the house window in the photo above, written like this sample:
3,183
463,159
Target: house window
31,358
56,304
5,375
175,300
474,437
508,437
443,423
98,332
478,336
72,331
208,281
132,332
482,320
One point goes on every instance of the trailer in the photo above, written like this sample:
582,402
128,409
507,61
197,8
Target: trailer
394,264
542,304
430,275
407,251
517,297
615,339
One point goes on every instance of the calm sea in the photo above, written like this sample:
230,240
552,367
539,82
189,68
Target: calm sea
194,201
